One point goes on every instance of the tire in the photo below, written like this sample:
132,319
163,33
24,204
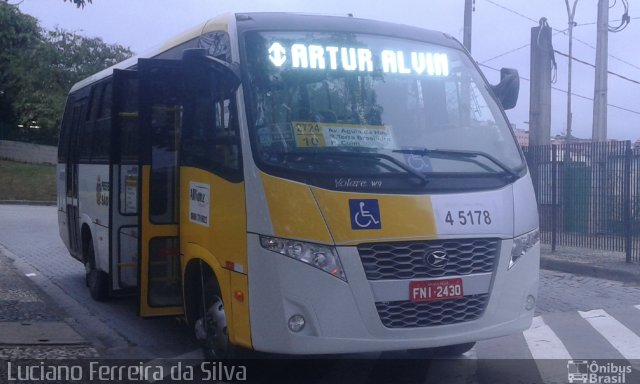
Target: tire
211,325
445,351
96,280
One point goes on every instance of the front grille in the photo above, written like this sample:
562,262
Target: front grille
407,314
406,260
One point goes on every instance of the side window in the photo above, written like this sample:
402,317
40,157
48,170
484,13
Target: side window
65,132
78,112
128,121
87,127
217,45
101,141
210,136
95,132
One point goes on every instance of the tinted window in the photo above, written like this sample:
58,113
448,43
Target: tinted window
101,140
65,132
210,138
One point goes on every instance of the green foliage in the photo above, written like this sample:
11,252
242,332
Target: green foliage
79,3
37,69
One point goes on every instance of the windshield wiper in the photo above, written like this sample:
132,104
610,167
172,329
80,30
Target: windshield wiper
365,155
460,153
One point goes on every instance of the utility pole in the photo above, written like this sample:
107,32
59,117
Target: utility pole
571,12
599,128
466,38
542,62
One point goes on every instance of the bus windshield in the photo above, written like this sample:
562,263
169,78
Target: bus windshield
330,103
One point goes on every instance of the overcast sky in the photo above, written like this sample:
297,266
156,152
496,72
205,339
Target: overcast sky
499,26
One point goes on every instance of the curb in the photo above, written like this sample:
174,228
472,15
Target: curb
591,270
27,202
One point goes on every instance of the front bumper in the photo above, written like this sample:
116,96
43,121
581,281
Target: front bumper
341,317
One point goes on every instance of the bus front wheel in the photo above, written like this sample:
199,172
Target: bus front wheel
96,280
211,326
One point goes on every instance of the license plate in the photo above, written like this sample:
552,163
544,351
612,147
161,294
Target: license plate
436,290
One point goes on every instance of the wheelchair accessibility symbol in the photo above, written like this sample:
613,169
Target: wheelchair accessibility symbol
419,163
365,214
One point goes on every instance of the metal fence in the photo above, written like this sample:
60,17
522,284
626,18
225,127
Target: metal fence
588,195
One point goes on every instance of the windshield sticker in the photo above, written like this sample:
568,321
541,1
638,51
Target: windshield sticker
418,162
313,56
365,214
319,135
199,203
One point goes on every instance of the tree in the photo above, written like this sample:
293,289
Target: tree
37,69
79,3
19,35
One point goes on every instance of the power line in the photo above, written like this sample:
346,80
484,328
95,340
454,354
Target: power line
511,51
595,22
593,66
572,93
561,31
511,10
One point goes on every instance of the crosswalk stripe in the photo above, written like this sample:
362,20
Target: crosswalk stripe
543,343
637,306
621,337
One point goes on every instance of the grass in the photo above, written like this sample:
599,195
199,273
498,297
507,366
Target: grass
21,181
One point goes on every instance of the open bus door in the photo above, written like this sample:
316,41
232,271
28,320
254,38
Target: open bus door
161,93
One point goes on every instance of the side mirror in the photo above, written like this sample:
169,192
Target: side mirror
226,74
507,90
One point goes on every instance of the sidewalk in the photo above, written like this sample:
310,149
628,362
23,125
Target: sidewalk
31,326
590,262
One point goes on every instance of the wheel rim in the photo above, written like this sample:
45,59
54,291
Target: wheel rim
217,340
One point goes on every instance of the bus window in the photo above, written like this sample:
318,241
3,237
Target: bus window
87,127
166,121
210,138
101,142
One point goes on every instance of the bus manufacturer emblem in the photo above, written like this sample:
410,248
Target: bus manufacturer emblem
437,259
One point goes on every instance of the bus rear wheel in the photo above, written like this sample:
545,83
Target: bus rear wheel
96,280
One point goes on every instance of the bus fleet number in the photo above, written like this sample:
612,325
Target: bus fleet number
479,217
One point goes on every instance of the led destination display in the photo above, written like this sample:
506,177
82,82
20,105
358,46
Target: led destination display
313,56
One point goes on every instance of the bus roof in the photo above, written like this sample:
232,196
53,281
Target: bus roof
218,23
281,21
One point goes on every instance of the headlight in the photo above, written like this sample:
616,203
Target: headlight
522,244
316,255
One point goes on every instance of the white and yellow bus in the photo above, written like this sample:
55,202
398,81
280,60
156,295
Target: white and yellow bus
304,184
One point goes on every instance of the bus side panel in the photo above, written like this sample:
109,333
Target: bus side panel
213,217
94,203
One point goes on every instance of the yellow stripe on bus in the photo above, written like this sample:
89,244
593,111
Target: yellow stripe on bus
293,210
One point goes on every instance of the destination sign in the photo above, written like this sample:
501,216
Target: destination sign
321,57
313,134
